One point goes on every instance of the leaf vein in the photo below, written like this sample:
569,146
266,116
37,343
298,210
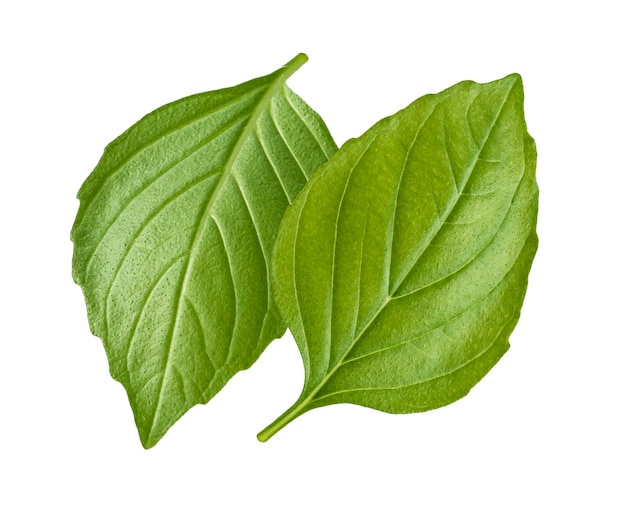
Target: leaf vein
144,305
453,203
304,342
305,123
427,332
171,199
273,165
287,145
196,317
176,128
232,278
392,224
420,382
333,263
157,177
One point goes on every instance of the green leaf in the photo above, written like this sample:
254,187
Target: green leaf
402,266
173,238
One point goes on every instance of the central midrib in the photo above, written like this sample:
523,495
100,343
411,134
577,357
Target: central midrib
282,76
390,296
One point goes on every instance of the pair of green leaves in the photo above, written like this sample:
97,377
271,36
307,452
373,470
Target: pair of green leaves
400,265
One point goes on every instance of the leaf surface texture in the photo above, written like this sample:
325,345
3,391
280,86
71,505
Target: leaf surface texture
173,238
402,266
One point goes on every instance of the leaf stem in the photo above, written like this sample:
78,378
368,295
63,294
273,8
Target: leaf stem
291,414
294,64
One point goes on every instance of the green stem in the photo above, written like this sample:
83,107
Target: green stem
294,64
291,414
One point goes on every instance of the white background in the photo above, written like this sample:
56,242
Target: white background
545,428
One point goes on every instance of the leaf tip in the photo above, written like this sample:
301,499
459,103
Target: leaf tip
514,77
514,80
148,440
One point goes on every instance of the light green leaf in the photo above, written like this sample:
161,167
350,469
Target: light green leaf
402,266
173,238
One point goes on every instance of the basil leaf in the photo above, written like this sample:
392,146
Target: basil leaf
402,266
173,238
